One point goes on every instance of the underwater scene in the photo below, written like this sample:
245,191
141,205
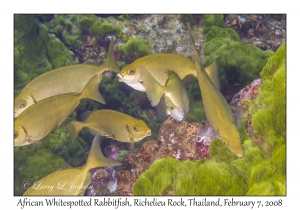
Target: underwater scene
151,105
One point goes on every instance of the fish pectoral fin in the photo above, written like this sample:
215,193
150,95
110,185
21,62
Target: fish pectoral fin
130,136
35,143
85,184
161,110
154,90
131,147
29,140
93,132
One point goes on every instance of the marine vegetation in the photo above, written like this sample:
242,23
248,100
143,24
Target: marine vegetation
135,48
269,126
32,40
72,181
262,169
73,29
238,63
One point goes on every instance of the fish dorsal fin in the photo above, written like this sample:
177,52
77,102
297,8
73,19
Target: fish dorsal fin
65,165
85,115
96,158
161,110
196,52
86,183
213,73
91,90
154,90
93,131
110,62
92,64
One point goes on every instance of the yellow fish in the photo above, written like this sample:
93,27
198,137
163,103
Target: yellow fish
72,181
158,66
63,80
41,118
217,110
171,99
112,124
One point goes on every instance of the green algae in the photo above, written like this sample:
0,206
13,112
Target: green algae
269,109
135,46
36,51
31,163
239,63
196,112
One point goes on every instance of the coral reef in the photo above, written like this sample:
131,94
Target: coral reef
177,161
262,170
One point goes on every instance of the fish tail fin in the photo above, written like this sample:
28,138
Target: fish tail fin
96,157
154,90
110,63
73,129
212,72
91,90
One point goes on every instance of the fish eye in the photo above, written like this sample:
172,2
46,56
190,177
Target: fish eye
135,129
22,104
131,71
15,134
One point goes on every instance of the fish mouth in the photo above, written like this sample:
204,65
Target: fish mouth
120,77
18,145
149,133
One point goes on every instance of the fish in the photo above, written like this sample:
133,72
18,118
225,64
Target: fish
70,180
171,99
112,124
41,118
158,65
63,80
217,110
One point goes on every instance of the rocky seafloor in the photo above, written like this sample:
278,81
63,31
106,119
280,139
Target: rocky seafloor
177,139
